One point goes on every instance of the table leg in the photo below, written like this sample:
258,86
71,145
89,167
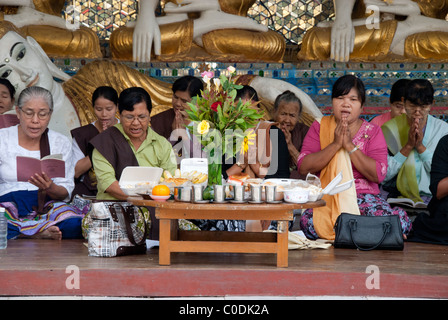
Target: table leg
164,242
282,244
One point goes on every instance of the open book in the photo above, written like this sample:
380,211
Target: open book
52,165
407,202
8,120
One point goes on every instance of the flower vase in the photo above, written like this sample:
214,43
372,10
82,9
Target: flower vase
214,177
214,174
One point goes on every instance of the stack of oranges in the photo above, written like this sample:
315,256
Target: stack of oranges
161,190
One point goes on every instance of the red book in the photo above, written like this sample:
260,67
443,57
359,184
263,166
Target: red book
52,165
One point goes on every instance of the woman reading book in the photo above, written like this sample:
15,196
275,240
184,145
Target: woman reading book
36,207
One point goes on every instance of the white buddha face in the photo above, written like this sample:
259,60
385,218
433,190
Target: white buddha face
21,65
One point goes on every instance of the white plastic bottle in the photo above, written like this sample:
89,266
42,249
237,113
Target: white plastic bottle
3,229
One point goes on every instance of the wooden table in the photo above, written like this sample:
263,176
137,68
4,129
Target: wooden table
172,239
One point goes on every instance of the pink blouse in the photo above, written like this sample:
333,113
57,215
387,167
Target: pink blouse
382,119
369,139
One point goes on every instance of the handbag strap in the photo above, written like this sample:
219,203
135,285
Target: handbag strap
127,222
352,226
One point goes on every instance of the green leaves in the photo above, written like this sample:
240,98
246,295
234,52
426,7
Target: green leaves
229,116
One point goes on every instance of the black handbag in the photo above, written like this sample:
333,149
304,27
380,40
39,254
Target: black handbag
368,232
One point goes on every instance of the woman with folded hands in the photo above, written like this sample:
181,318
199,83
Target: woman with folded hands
344,142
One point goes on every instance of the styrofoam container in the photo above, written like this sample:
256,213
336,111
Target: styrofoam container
194,164
135,180
296,195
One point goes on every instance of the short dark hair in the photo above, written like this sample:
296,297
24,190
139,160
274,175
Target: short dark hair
190,84
105,92
344,84
9,86
132,96
398,90
248,91
419,92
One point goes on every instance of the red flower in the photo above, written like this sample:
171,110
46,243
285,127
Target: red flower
215,105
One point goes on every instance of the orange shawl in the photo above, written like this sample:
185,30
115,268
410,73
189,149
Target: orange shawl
324,218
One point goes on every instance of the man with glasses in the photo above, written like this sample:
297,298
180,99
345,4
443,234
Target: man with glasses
411,139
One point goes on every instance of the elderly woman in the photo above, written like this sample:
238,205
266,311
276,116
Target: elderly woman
129,143
7,93
344,142
31,138
105,106
287,110
411,139
268,156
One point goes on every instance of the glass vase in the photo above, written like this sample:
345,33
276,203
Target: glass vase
214,177
214,174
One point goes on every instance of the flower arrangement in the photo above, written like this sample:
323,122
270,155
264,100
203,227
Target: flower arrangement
222,123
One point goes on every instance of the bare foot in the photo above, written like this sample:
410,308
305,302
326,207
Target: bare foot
52,232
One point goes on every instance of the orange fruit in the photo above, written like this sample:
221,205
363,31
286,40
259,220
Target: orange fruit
161,190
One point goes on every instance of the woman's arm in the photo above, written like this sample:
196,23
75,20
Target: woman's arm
82,166
315,158
442,189
439,170
115,191
364,164
54,191
105,175
371,162
315,162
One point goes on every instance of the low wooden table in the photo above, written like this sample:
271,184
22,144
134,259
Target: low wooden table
172,239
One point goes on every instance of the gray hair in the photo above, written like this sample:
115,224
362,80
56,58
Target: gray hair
35,92
287,96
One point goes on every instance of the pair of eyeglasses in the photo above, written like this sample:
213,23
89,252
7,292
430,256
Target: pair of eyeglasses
42,115
141,118
418,108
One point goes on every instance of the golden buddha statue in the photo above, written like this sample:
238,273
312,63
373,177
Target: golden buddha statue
217,30
24,63
41,19
408,30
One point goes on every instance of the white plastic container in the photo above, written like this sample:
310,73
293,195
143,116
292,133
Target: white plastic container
135,180
296,195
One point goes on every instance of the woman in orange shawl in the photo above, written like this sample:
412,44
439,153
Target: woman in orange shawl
343,142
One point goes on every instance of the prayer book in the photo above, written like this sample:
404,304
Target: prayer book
52,165
407,202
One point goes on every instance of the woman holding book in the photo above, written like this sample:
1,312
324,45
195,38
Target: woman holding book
411,140
344,142
36,207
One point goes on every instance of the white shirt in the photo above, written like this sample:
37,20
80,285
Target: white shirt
10,149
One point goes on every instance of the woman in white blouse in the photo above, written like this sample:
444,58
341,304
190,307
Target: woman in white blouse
35,205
